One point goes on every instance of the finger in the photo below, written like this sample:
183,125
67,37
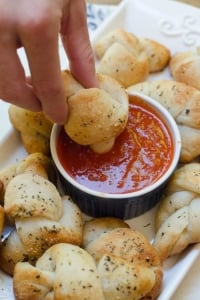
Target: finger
13,85
40,40
75,38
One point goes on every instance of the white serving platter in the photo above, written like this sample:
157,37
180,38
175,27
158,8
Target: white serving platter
171,23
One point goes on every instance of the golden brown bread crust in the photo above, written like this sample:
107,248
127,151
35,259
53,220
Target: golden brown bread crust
116,274
5,176
96,115
157,53
178,216
185,67
133,247
63,272
190,143
30,195
128,58
34,129
34,206
36,163
127,39
11,252
1,220
122,65
122,57
124,280
34,234
183,102
95,227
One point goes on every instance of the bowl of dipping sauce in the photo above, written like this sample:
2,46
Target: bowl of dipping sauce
128,180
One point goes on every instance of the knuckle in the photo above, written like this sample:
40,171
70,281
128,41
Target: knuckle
42,21
46,90
35,25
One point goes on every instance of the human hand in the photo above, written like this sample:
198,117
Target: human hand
35,25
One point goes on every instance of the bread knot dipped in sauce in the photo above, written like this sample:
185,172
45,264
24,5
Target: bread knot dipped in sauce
96,115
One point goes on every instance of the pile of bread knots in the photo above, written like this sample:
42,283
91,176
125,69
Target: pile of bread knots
48,240
178,216
53,253
40,216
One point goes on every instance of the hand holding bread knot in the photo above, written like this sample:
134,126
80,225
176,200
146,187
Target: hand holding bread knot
178,217
96,115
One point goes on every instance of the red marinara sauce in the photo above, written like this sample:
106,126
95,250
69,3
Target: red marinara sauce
141,154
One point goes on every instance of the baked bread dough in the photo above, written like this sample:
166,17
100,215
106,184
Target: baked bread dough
96,227
1,220
41,217
122,57
183,102
96,115
125,259
128,58
34,129
63,272
178,216
37,163
157,53
185,67
29,195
